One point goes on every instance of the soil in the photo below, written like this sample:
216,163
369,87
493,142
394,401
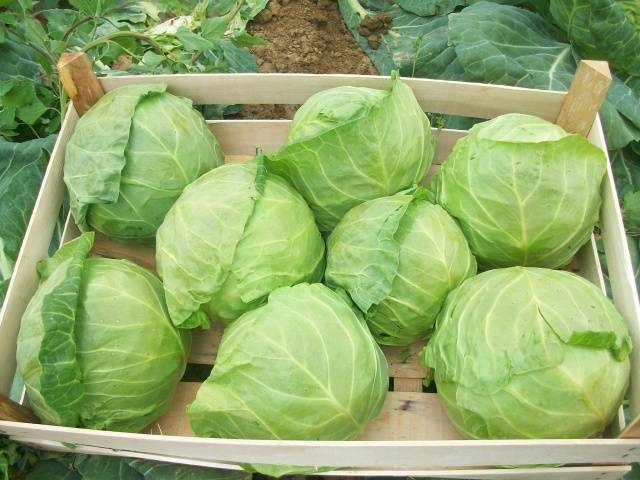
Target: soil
303,36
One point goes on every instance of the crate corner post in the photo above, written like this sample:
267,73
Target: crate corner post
79,80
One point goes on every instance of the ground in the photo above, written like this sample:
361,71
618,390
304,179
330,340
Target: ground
303,36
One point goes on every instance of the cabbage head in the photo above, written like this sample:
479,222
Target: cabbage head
523,190
527,352
398,257
236,234
302,367
352,144
96,347
131,156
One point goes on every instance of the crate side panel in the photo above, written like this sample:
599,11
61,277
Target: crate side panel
438,96
623,286
597,472
35,246
379,454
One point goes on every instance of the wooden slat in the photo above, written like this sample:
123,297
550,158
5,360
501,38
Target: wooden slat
438,96
79,81
585,96
401,384
621,277
379,454
244,137
35,246
596,472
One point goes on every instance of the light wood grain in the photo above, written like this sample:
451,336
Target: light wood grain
79,81
438,96
595,472
586,94
370,454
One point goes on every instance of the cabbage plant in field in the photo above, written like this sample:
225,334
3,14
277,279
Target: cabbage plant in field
398,257
131,156
523,190
235,234
529,353
352,144
96,346
302,367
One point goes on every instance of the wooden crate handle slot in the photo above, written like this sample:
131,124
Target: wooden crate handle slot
79,81
585,96
14,412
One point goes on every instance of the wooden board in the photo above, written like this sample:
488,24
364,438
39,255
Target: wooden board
439,96
593,472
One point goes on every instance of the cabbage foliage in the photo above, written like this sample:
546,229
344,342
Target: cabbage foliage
302,367
235,234
523,190
398,257
96,346
352,144
131,156
529,353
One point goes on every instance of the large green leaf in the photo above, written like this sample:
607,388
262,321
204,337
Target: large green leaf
504,44
21,169
151,470
626,170
601,29
46,347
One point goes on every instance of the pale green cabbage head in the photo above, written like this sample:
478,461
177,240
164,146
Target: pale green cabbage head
352,144
529,353
523,190
302,367
235,234
398,257
96,346
131,156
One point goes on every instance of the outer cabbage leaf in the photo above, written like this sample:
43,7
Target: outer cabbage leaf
348,145
132,360
122,180
46,349
96,346
233,236
303,367
508,45
398,257
523,191
524,352
602,30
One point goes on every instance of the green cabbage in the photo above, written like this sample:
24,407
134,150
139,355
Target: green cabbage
131,156
398,257
236,234
529,353
352,144
301,367
96,346
523,190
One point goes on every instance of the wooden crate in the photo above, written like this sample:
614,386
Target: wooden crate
412,436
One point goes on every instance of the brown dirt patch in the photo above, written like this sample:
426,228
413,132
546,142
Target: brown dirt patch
303,36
